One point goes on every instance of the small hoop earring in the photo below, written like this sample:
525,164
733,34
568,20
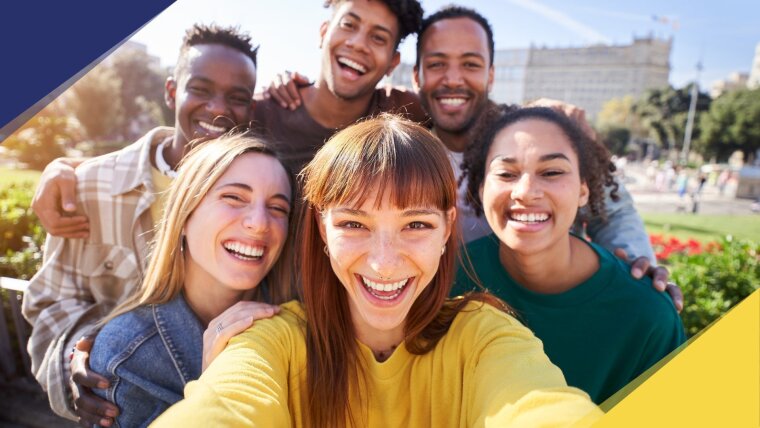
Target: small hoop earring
326,250
443,250
182,244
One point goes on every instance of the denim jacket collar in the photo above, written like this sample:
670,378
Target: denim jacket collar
182,334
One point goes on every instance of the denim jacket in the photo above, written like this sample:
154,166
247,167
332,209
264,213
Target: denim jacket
148,355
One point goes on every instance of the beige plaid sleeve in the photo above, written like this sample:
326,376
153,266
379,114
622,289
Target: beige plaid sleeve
79,283
73,291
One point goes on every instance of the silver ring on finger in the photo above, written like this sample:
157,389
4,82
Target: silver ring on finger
219,328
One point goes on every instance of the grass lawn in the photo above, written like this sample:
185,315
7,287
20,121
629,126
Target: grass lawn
8,175
703,228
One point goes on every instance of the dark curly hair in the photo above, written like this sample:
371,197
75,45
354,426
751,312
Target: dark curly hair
593,158
408,12
453,12
201,34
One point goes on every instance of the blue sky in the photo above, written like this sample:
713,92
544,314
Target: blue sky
723,34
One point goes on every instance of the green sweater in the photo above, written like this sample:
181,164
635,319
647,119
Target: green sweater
602,333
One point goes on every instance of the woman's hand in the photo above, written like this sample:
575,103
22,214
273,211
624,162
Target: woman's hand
231,322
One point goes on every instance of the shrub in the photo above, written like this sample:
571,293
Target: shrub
20,230
713,278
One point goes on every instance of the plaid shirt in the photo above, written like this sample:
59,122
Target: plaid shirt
81,280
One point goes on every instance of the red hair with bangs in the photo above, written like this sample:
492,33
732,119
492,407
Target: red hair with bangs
412,166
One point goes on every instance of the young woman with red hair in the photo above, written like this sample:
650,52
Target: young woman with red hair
376,342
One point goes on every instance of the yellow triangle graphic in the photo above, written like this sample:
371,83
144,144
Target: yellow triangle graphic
712,382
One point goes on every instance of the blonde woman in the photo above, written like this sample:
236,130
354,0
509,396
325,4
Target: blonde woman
218,246
376,343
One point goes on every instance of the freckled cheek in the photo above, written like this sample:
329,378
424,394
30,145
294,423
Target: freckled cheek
345,250
424,255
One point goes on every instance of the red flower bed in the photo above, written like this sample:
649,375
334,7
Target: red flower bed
665,246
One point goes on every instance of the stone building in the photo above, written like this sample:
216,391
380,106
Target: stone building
585,76
734,81
590,76
754,74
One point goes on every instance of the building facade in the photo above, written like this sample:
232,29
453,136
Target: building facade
590,76
754,75
734,81
585,76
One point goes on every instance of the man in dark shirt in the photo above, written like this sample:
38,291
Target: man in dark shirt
359,46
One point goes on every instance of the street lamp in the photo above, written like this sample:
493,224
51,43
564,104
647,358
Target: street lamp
690,117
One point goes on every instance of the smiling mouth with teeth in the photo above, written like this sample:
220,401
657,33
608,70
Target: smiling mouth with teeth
211,129
243,251
452,101
529,218
345,62
387,291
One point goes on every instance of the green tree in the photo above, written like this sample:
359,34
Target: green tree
141,92
95,101
41,139
616,139
732,123
663,113
618,113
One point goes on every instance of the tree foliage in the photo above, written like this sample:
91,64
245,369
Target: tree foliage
41,139
95,101
618,113
732,123
616,139
141,92
663,114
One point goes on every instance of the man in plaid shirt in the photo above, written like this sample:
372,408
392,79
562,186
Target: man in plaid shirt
81,280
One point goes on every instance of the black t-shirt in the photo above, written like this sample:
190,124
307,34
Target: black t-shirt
297,136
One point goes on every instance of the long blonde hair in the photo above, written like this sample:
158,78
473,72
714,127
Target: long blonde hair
198,171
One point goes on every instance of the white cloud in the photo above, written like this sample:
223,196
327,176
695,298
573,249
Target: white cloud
587,33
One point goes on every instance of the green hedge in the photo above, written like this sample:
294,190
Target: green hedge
714,280
20,230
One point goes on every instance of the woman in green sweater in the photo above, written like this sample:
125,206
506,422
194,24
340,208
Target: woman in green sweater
375,342
530,171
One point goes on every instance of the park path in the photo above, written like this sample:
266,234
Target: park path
649,200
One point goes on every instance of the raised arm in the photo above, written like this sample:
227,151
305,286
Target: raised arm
511,382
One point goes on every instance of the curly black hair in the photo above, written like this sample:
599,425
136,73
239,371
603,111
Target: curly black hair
593,158
201,34
408,12
453,12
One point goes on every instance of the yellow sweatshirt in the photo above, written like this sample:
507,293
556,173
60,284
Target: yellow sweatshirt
487,371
